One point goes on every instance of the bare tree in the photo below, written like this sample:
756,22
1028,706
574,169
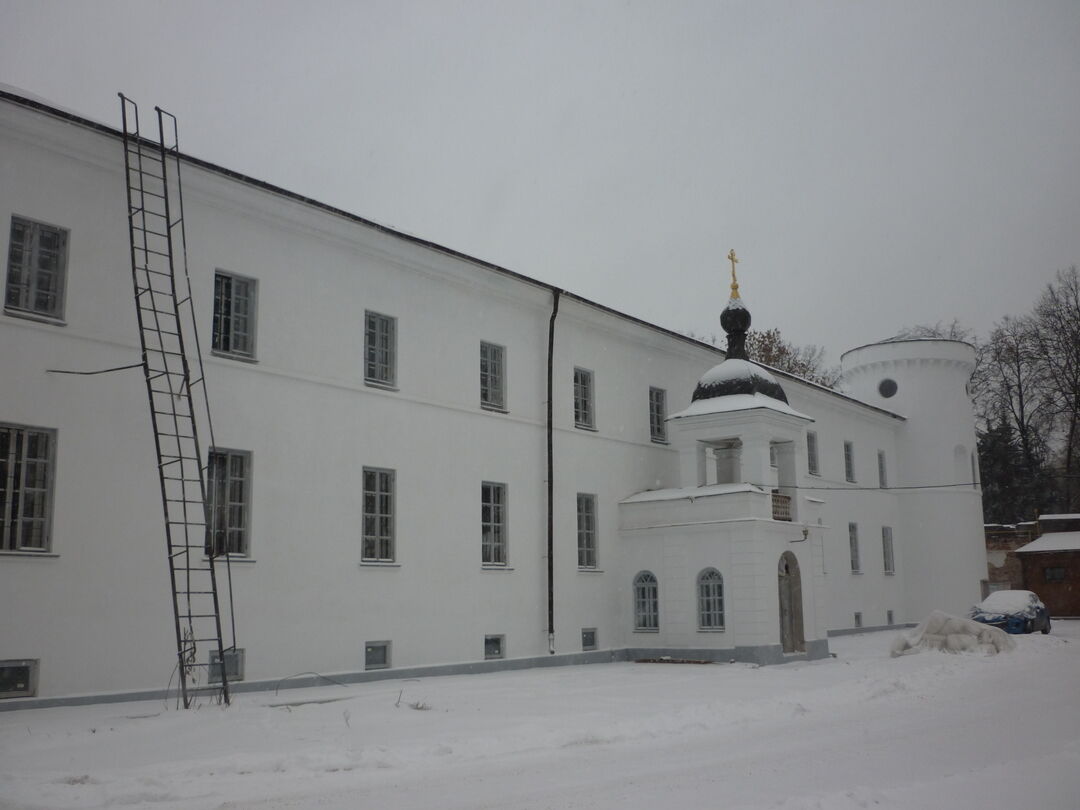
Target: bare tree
1056,321
769,348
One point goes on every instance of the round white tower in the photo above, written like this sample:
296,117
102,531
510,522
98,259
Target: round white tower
940,550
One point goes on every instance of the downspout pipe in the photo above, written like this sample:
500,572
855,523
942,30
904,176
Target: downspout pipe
556,294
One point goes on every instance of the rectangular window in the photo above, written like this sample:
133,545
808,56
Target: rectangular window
887,550
811,453
588,638
853,543
583,399
858,619
889,617
234,665
849,462
228,486
380,348
377,655
586,530
234,315
378,544
37,265
493,646
882,470
18,678
26,487
658,414
492,376
493,523
1055,574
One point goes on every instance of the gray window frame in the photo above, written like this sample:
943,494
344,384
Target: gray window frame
231,514
492,376
378,529
232,292
710,599
888,551
494,507
386,646
658,415
499,639
849,461
646,603
853,547
584,398
234,665
31,250
586,531
380,349
14,494
812,467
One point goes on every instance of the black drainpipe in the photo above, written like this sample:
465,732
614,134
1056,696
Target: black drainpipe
551,474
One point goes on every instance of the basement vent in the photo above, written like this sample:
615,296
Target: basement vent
18,678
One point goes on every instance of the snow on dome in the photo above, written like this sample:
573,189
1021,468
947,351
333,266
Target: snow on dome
738,402
735,377
733,369
735,303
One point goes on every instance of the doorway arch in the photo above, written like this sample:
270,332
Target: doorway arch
791,613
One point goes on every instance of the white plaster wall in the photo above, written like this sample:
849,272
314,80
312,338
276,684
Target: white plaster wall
96,611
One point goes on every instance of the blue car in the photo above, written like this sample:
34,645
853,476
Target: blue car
1013,612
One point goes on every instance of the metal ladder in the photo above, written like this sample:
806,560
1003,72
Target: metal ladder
179,406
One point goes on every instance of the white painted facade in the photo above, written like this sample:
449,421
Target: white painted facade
93,607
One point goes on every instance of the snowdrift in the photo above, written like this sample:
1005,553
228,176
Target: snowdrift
940,631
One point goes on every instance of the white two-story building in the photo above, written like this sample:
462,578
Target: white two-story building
382,429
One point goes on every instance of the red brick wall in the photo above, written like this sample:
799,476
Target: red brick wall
1061,598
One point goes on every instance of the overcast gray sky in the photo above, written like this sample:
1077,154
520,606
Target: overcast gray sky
874,165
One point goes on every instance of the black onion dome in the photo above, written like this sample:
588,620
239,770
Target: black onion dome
733,377
737,374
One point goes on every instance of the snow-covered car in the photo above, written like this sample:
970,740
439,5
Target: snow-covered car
1013,612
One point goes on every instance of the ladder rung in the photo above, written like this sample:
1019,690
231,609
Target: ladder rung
149,250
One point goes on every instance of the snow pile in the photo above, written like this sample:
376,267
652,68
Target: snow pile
940,631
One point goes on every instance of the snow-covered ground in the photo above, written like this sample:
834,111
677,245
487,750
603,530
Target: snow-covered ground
931,730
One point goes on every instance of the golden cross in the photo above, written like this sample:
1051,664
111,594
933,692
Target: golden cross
734,281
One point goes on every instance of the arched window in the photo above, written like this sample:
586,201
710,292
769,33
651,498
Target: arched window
710,588
646,602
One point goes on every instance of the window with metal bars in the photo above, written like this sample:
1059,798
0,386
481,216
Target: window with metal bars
37,265
710,600
378,541
492,376
853,544
26,483
583,399
380,349
228,485
811,453
646,602
658,414
849,462
887,550
493,523
586,530
234,315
